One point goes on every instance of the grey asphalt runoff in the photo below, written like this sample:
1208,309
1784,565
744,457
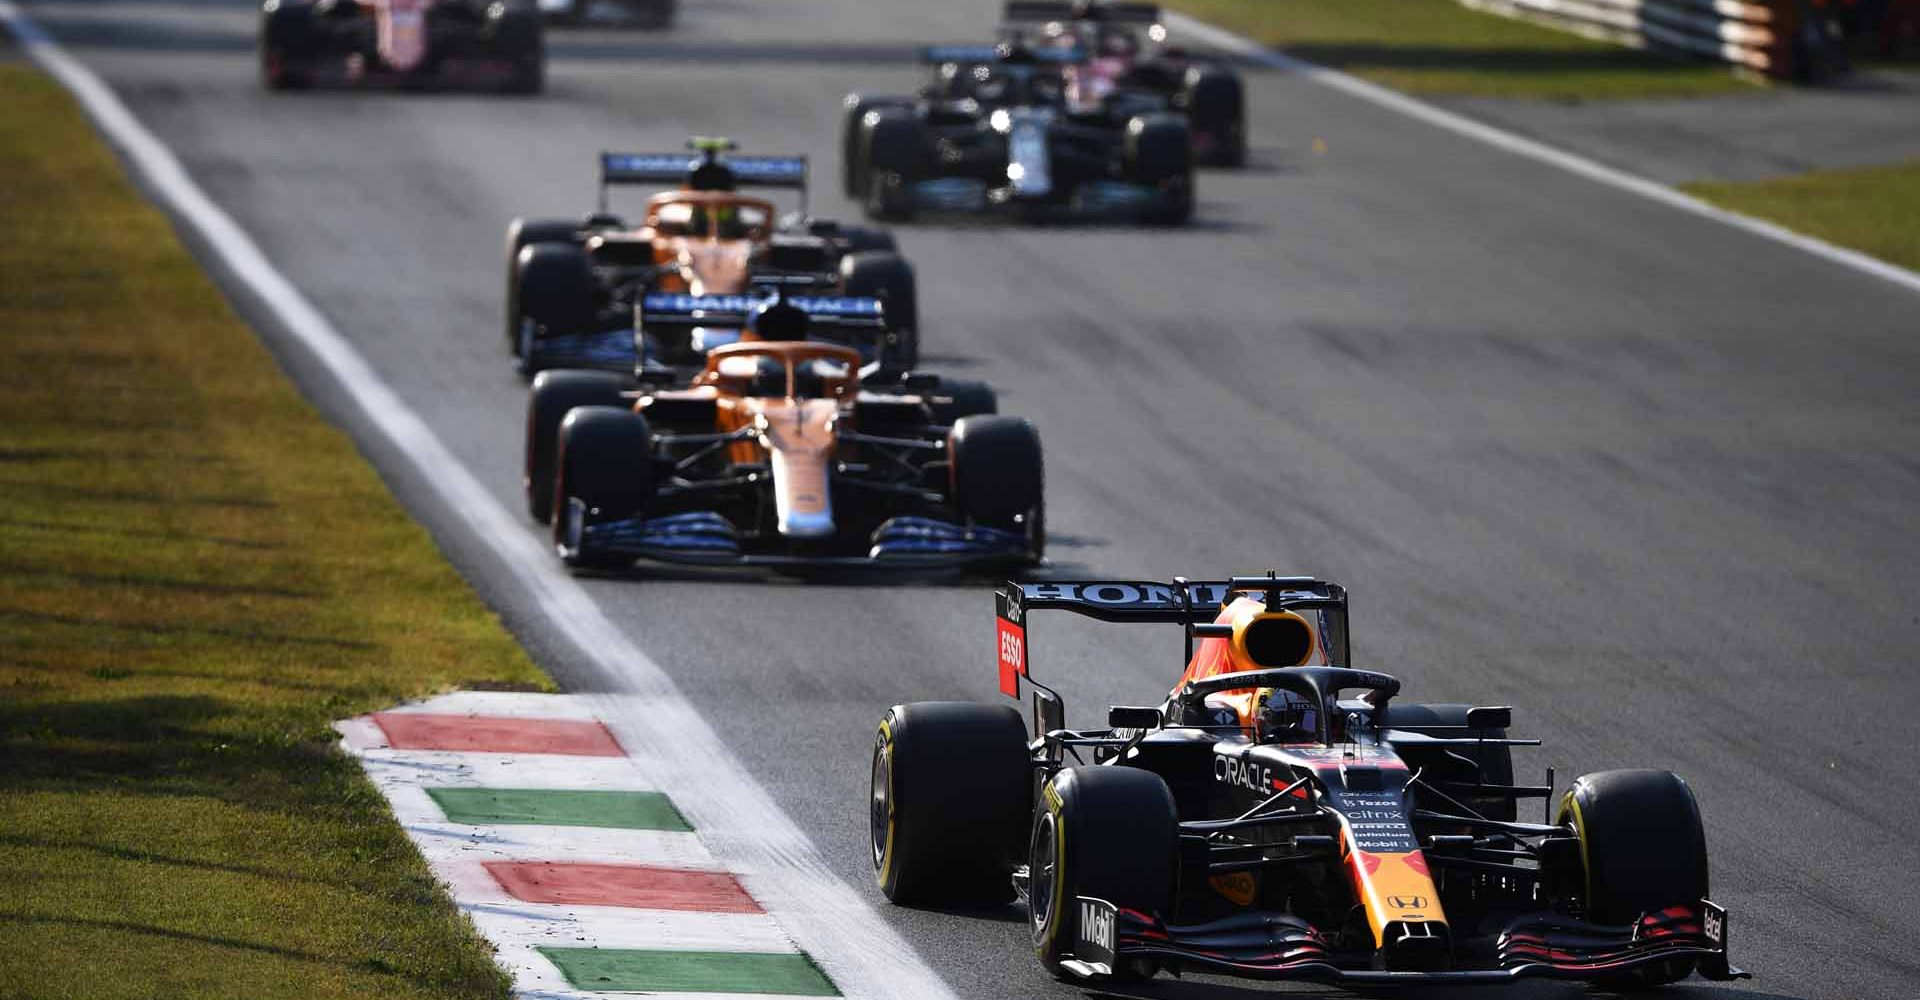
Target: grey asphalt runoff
1870,119
1650,480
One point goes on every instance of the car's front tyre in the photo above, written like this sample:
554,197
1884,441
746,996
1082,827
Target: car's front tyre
948,805
1645,849
1107,833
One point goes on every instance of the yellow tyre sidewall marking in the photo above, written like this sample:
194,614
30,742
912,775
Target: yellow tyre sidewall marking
886,861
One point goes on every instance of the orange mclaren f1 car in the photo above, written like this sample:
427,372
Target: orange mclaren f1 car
782,452
1282,815
574,287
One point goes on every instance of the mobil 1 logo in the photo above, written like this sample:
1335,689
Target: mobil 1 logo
1097,932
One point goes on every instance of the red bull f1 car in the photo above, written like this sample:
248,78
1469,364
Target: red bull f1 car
1282,815
402,42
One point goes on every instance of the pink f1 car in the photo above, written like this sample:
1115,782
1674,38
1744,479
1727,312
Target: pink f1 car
402,42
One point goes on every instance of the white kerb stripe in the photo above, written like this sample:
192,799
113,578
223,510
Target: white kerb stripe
838,926
1535,150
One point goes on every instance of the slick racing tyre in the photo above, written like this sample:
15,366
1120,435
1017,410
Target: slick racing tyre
1491,763
1107,833
1159,154
1216,104
554,293
1645,849
520,37
286,36
603,472
954,398
859,238
853,178
951,795
521,233
887,276
999,476
555,394
892,155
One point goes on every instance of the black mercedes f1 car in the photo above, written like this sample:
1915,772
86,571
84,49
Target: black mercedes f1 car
1129,66
1282,815
994,132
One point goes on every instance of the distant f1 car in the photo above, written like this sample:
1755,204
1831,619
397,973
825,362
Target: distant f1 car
574,287
403,42
994,132
1282,815
782,452
1125,67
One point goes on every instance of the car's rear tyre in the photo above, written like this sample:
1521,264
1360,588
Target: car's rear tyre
1645,849
520,233
285,30
887,276
555,394
603,472
860,238
955,398
1159,153
999,476
1492,763
556,292
949,802
519,35
853,178
1104,832
892,155
1216,103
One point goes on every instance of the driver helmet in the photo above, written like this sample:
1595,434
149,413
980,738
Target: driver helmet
778,320
1118,43
1283,716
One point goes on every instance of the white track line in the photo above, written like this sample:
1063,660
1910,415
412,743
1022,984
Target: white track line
463,769
1539,152
748,832
459,843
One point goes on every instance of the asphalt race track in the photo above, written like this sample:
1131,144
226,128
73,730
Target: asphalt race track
1649,479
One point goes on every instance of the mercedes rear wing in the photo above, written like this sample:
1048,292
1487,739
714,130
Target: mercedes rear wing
976,55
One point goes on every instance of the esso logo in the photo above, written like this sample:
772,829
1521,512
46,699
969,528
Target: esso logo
1012,652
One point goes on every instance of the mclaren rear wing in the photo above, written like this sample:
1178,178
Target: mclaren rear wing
1192,604
672,168
834,318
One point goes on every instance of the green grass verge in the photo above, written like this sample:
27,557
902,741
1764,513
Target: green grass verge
1440,47
1874,210
196,575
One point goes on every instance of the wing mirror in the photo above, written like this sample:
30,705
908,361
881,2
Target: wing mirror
1490,717
1122,717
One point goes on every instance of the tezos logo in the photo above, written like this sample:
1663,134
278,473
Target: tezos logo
1712,925
1407,902
1253,777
